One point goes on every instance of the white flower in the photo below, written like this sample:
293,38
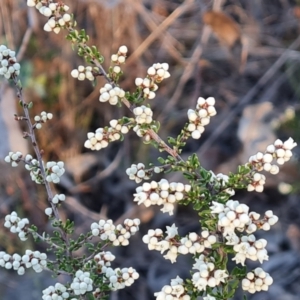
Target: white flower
220,276
143,114
240,258
217,207
289,144
232,239
172,231
176,281
199,282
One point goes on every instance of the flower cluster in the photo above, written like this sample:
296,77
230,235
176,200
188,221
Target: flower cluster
83,72
54,170
58,198
161,193
207,275
201,116
257,182
155,74
147,87
261,161
256,281
269,220
192,243
17,225
57,292
14,158
249,247
143,114
158,72
120,57
138,172
103,136
279,151
120,278
235,216
117,235
43,118
82,283
104,258
175,291
111,94
9,67
12,262
54,11
55,24
36,260
33,166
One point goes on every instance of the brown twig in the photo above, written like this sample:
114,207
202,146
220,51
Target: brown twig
24,44
7,24
161,28
167,40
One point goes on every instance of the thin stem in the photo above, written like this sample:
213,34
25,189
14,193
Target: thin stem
46,240
60,272
38,154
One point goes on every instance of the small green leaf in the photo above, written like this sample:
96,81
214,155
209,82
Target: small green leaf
188,176
89,245
233,286
171,141
161,160
239,272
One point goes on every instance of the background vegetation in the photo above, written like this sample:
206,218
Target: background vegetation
257,99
